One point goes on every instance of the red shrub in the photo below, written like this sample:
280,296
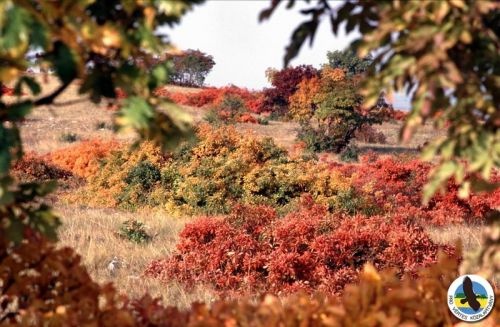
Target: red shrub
246,118
256,105
394,185
252,250
32,167
213,96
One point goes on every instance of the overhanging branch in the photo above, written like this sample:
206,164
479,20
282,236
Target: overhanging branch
51,97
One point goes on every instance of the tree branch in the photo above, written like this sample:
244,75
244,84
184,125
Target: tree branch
51,97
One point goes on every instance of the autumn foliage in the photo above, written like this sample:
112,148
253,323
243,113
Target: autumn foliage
378,298
214,97
285,83
302,102
253,250
83,158
45,286
281,225
224,168
32,167
49,286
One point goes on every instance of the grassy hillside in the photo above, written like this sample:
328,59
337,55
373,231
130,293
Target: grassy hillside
93,232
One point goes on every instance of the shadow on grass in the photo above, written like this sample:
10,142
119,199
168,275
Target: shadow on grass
385,149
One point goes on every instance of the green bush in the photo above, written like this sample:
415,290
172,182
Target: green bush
233,103
316,139
69,137
263,120
212,117
134,231
350,153
352,203
144,174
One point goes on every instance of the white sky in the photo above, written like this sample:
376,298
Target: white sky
243,48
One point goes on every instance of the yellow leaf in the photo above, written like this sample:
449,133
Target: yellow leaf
458,3
7,74
149,14
442,11
370,273
111,38
464,191
465,37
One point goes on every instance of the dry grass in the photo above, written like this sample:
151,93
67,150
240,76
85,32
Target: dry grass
73,113
92,233
469,235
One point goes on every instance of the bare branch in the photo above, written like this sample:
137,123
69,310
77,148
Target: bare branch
51,97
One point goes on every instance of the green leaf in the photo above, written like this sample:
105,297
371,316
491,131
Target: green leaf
429,152
44,220
464,191
14,40
136,114
99,85
14,230
181,119
20,110
9,141
38,35
438,178
304,30
159,76
65,63
30,82
6,196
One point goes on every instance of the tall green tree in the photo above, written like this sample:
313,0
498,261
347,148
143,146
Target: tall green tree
190,68
445,54
96,42
349,61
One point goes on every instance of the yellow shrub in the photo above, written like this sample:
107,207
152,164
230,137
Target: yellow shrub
303,101
104,187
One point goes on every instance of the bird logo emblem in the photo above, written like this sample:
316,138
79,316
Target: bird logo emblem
470,298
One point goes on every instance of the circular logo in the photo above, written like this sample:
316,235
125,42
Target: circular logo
470,298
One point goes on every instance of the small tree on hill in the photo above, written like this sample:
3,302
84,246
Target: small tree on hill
336,111
285,82
190,68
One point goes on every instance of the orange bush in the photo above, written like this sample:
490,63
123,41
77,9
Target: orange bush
335,74
107,183
83,158
246,118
